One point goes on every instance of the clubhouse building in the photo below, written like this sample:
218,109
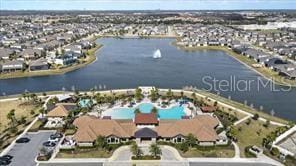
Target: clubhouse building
146,128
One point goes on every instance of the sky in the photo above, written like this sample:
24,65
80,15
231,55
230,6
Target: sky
145,4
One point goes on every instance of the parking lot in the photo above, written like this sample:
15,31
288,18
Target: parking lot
24,153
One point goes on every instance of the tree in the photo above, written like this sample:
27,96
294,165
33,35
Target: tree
154,110
184,147
232,133
190,140
169,94
155,150
138,94
256,116
267,123
100,142
136,151
137,110
11,117
154,94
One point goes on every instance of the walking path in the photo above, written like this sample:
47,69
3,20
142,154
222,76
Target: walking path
236,149
241,120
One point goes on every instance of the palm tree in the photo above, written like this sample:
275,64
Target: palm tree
155,150
136,151
137,110
11,116
138,94
154,110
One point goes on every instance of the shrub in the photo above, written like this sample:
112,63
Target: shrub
255,117
275,152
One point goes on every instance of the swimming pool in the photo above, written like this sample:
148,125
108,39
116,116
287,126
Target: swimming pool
175,112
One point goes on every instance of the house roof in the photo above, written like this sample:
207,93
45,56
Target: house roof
61,110
89,128
146,118
146,133
208,109
202,127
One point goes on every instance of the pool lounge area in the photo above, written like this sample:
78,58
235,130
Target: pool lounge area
174,112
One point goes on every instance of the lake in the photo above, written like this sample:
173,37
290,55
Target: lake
128,63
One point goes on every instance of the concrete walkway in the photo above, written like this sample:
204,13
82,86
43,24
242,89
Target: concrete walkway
241,120
236,149
121,154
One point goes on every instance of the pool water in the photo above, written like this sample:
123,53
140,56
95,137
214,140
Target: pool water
175,112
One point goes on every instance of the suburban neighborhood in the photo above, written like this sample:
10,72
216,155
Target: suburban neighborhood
126,87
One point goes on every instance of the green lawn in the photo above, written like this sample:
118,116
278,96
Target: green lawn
84,153
252,134
223,152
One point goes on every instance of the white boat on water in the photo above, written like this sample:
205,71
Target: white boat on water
157,54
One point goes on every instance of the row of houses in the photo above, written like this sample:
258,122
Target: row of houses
217,35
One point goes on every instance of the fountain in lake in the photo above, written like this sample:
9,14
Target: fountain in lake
157,54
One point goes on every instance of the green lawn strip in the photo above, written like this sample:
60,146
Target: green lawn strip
243,107
146,157
217,151
84,153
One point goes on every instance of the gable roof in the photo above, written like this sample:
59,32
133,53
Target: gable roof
146,118
89,128
146,133
61,110
202,127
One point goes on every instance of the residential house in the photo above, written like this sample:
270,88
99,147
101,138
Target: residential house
57,115
39,64
31,53
13,65
64,60
6,53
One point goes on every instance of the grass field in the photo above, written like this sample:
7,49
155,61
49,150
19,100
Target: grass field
221,152
252,134
84,153
21,109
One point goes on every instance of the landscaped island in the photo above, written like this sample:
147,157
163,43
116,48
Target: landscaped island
202,126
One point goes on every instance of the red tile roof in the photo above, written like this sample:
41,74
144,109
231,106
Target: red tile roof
208,109
146,118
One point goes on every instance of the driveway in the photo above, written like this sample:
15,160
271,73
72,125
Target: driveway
25,153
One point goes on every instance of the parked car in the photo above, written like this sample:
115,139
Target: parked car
55,137
23,140
8,157
5,160
49,144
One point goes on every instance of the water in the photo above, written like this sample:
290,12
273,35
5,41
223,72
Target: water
175,112
128,63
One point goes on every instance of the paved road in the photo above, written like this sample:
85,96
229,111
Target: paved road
155,164
24,154
228,164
